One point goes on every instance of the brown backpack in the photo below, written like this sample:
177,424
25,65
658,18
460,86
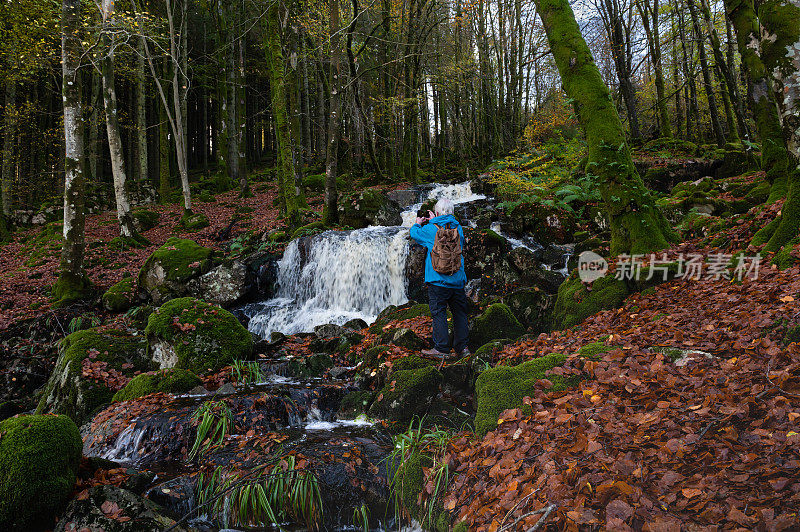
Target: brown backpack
446,252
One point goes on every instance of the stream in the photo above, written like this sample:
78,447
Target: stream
332,277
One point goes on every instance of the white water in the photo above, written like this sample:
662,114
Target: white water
458,193
126,446
345,275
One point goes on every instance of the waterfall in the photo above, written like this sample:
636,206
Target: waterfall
343,275
337,276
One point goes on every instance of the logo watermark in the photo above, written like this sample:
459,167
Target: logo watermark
591,266
694,266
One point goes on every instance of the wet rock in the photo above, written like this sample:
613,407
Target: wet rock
172,380
523,259
176,496
70,392
22,372
415,272
312,366
166,272
404,198
355,403
543,223
224,285
329,330
356,324
192,334
113,509
370,207
39,458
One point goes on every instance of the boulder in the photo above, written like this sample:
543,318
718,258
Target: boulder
405,338
92,365
503,387
113,509
172,380
370,207
39,457
329,330
144,219
311,366
192,334
224,285
407,393
166,272
575,302
121,296
532,307
193,222
356,324
496,322
415,272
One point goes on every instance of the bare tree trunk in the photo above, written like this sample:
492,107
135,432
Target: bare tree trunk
649,14
116,151
72,284
709,88
141,116
329,213
9,138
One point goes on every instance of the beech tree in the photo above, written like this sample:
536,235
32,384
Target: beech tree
72,282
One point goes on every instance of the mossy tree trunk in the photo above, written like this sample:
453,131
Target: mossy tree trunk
774,156
329,213
9,137
290,192
780,51
72,281
637,226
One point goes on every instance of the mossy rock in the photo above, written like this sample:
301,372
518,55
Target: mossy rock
314,182
193,222
407,393
496,322
276,235
369,207
137,316
192,334
68,392
39,458
166,272
409,481
532,307
575,303
172,380
405,338
394,313
503,387
786,257
355,403
411,362
311,366
121,296
124,243
675,146
145,219
308,229
373,355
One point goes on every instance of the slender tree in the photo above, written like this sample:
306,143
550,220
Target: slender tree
329,213
73,282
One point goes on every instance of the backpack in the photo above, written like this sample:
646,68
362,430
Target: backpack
446,252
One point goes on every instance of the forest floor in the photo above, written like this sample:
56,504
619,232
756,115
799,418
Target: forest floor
642,443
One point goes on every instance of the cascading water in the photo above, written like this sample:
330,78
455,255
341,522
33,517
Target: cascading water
337,276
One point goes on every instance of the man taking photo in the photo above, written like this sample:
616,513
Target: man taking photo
443,237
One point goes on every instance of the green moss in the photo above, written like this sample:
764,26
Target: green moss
409,481
315,182
121,296
497,321
575,303
68,392
408,393
276,236
355,403
308,229
784,259
193,221
201,336
5,229
672,353
374,354
676,146
461,527
503,387
311,366
70,288
595,349
123,243
393,313
411,362
171,380
145,219
39,457
181,260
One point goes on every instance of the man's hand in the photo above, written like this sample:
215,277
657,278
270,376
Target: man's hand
420,220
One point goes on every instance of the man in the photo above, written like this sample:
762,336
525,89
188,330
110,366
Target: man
443,289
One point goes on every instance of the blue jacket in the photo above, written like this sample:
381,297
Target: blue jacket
425,235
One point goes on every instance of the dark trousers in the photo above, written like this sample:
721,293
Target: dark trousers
440,297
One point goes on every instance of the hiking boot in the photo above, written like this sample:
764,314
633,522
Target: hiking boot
464,353
435,353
